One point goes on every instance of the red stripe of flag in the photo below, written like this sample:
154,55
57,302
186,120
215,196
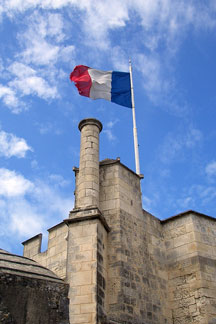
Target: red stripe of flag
82,80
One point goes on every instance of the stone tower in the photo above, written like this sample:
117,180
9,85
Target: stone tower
87,231
122,264
87,185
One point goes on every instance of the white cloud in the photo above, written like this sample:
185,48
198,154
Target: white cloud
162,17
186,203
25,81
34,85
162,26
54,26
21,70
11,145
211,169
66,53
40,52
100,18
41,39
120,59
29,207
13,184
9,98
207,194
24,218
175,145
108,130
147,202
153,81
109,134
34,68
28,82
196,197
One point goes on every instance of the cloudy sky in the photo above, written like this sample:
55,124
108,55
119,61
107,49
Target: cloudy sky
172,44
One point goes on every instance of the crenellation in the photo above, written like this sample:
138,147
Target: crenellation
32,246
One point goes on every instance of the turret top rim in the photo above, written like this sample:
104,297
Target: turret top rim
90,121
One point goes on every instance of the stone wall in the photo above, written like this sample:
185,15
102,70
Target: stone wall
81,271
30,293
86,266
25,300
191,264
205,235
157,270
55,257
102,275
136,274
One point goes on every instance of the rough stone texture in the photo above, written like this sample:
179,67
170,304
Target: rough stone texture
31,301
123,265
87,191
55,257
191,264
86,265
30,294
136,273
81,271
102,275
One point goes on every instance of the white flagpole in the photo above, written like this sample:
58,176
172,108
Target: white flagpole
136,147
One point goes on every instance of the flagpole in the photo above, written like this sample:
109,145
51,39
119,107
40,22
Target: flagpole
136,146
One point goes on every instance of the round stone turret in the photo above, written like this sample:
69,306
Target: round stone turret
87,191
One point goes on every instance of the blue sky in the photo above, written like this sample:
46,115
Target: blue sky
172,44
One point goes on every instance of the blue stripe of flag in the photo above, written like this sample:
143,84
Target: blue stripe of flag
121,89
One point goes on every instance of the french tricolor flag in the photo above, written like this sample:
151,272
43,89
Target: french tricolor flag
110,85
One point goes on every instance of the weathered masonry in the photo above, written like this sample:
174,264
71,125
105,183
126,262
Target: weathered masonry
122,264
30,293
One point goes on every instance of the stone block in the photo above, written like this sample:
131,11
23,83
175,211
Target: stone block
86,247
80,319
189,227
74,309
207,249
85,266
169,244
74,267
192,309
76,230
91,192
81,193
81,278
61,230
81,240
80,299
61,247
82,256
52,242
52,234
87,289
90,230
52,251
75,290
88,308
109,204
183,239
87,201
92,164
